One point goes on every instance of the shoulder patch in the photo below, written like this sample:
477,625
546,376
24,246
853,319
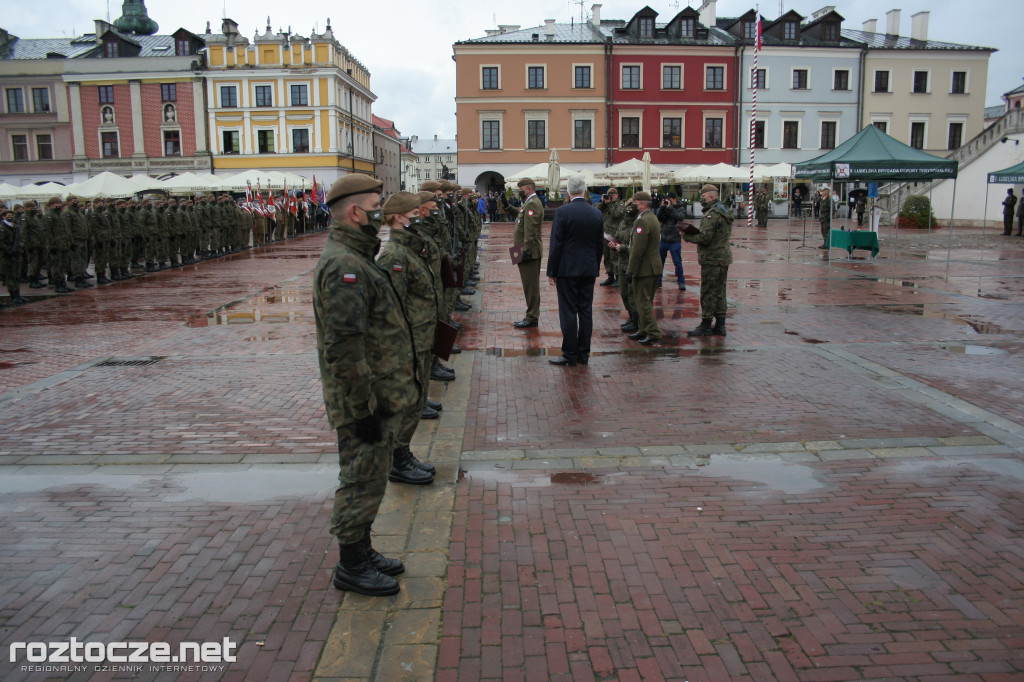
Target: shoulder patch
639,229
349,278
397,267
529,212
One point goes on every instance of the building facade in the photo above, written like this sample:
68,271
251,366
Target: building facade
435,159
387,155
286,102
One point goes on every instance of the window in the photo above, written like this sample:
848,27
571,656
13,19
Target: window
535,135
757,140
19,143
831,30
881,125
41,100
168,92
228,96
299,96
630,131
646,27
265,141
956,135
44,147
789,30
172,143
106,93
714,78
264,96
582,134
489,78
581,77
881,81
536,77
920,81
672,133
841,79
300,141
426,174
759,79
959,83
790,134
630,77
917,134
686,27
15,101
108,142
713,133
750,30
230,142
828,134
183,46
491,135
671,77
111,49
799,79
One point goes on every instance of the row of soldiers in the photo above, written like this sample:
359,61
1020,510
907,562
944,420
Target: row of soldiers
116,235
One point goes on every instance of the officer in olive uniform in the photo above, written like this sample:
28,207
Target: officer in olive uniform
825,219
614,215
369,375
527,234
406,257
644,267
714,256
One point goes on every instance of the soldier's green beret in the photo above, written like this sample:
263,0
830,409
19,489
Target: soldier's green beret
446,186
30,204
430,186
526,182
351,184
708,188
642,196
426,196
400,202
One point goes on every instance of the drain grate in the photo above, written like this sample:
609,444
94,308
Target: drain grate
129,363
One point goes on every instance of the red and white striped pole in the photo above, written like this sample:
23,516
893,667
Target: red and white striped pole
753,122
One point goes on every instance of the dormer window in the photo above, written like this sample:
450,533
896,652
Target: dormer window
183,47
750,30
830,31
686,28
789,30
111,49
646,27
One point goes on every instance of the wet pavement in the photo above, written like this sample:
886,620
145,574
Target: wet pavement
834,491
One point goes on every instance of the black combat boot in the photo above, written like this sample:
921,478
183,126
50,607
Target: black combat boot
355,572
719,328
379,561
429,413
434,405
62,287
703,329
17,298
404,471
35,284
102,278
439,372
632,325
80,283
425,466
610,281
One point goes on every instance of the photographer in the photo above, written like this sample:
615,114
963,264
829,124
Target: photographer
670,214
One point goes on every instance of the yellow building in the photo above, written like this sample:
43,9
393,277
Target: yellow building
289,103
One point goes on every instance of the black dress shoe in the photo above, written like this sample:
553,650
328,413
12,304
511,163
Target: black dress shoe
456,349
647,340
636,335
562,360
585,360
524,323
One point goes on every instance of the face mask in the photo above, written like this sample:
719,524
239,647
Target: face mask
434,212
374,219
414,221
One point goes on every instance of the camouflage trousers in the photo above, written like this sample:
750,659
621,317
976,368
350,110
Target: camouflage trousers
625,288
412,415
712,291
611,258
362,479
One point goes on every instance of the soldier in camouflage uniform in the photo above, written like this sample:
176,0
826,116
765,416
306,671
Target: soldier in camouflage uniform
435,226
714,256
369,375
761,207
58,237
407,257
527,234
825,218
643,268
623,235
614,215
34,235
79,231
11,253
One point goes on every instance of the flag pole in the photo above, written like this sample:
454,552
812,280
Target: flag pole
753,119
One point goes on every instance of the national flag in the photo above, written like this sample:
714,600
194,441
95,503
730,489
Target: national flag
759,32
248,192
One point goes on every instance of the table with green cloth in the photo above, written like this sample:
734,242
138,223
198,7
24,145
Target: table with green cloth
855,239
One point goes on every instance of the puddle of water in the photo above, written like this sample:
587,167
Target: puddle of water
576,478
971,349
253,316
771,472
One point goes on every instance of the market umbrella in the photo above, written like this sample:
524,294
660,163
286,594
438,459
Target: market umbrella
554,174
646,176
106,185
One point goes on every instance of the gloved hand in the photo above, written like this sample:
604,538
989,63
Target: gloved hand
368,428
629,277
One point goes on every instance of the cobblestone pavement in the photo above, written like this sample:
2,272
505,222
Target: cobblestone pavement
834,491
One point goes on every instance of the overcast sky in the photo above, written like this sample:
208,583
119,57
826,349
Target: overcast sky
407,44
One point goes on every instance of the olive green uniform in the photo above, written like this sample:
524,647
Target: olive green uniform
644,266
528,233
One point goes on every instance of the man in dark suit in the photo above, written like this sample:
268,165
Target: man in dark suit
574,263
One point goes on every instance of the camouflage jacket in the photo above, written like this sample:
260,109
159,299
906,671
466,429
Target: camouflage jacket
75,221
644,259
406,256
528,227
614,213
363,341
58,238
713,239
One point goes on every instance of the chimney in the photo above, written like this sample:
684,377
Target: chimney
892,22
101,27
595,15
919,26
492,31
435,138
549,29
709,13
871,26
508,28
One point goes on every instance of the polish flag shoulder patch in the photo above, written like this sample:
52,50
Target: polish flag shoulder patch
639,230
397,267
529,212
349,278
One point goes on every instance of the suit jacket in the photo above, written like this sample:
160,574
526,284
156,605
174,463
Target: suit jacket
577,241
644,259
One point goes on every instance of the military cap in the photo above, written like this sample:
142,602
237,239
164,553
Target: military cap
426,196
708,188
457,188
526,182
30,204
18,207
430,186
54,200
467,190
642,196
352,184
400,202
446,186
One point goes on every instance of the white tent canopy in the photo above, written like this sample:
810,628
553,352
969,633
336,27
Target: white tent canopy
265,179
44,191
632,172
107,186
